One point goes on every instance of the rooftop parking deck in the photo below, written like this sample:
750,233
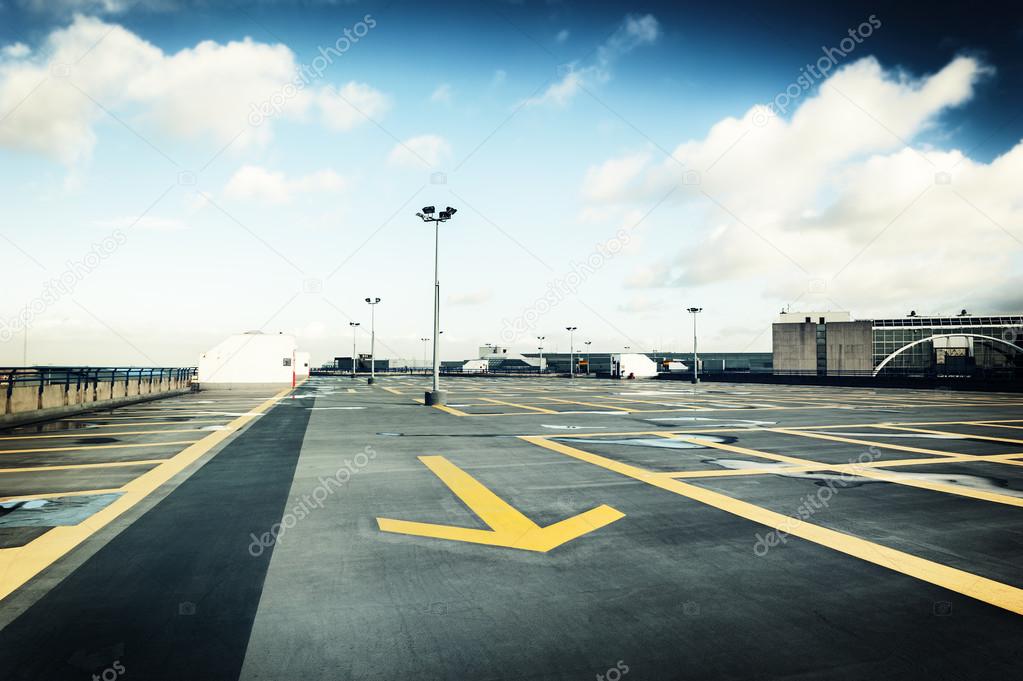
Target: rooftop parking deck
531,528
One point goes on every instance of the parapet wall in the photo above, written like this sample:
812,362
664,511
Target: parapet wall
30,395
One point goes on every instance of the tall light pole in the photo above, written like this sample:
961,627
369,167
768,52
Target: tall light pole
354,326
588,343
435,396
696,361
372,339
541,339
425,341
571,351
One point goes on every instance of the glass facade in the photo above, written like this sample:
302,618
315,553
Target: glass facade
889,335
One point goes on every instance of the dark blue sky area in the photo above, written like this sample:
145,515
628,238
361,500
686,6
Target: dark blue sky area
731,53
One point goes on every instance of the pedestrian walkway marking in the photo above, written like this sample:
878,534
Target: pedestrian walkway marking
508,527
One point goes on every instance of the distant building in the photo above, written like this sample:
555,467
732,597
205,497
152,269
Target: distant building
832,343
250,360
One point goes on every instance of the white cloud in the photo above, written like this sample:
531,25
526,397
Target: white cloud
633,32
416,152
352,105
471,298
442,94
836,195
149,223
209,90
15,50
256,182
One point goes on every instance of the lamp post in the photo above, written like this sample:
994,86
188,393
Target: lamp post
587,344
372,339
696,361
355,359
425,341
435,396
541,339
571,351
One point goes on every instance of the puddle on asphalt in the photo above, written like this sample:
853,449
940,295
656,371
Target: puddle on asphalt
29,512
658,442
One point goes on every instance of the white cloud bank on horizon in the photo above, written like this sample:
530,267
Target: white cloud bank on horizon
52,98
835,206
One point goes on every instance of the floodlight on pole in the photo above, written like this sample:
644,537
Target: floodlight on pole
571,350
696,361
355,359
425,341
436,396
372,339
541,339
588,344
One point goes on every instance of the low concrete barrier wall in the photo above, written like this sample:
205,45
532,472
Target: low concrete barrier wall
38,402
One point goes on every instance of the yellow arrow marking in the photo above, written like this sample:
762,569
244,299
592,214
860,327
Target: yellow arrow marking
509,528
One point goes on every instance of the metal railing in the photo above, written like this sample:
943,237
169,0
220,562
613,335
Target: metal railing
12,377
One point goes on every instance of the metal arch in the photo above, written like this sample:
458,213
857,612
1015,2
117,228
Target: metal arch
941,335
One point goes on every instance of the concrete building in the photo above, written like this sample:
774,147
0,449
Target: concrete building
249,360
833,344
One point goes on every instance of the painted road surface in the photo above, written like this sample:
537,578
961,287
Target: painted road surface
531,529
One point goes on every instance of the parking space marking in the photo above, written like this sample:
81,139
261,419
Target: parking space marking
520,406
36,450
58,495
975,586
78,435
964,436
71,466
19,564
869,443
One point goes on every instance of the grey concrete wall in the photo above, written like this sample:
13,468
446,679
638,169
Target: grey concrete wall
794,346
27,403
850,347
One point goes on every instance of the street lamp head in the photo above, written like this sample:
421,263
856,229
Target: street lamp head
450,211
444,215
694,310
420,215
353,323
428,210
571,328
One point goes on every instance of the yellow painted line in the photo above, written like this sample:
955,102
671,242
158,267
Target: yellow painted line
743,450
509,528
18,565
995,425
980,588
77,435
144,423
881,475
57,495
450,410
869,443
75,466
83,448
520,406
587,404
391,390
961,435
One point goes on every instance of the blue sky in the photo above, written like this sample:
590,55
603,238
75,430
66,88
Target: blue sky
612,164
